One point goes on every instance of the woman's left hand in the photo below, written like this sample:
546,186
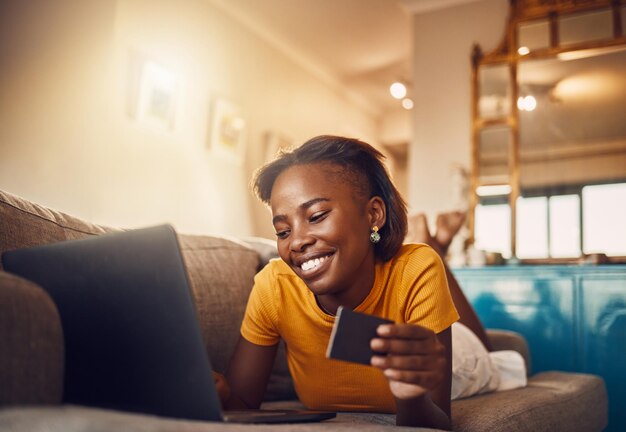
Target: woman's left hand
411,357
222,387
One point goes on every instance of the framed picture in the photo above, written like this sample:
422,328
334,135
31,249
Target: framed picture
158,97
153,93
227,130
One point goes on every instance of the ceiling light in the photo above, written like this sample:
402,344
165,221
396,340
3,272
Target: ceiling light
397,90
407,103
590,52
493,190
526,103
523,50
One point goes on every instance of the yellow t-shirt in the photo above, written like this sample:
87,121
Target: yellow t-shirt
410,288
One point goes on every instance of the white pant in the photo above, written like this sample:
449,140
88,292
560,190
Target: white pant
475,370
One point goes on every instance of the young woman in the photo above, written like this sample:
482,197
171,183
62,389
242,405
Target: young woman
340,225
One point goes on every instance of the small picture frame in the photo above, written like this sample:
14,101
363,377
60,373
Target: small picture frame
153,93
227,130
158,97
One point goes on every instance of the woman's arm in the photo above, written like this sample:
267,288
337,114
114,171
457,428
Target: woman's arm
467,314
418,365
248,374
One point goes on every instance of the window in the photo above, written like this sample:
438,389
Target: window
591,219
532,227
493,227
564,226
604,219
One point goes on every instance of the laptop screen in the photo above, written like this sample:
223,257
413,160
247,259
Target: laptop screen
132,337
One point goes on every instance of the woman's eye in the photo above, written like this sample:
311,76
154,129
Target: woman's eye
319,216
282,234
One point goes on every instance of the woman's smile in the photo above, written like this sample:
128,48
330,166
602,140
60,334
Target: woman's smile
314,267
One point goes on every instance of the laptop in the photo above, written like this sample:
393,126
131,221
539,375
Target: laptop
132,338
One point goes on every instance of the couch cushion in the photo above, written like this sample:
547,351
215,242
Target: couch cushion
221,274
27,224
552,401
31,347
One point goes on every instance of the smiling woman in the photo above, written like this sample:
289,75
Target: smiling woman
335,216
327,197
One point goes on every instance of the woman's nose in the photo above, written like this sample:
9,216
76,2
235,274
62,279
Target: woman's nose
300,239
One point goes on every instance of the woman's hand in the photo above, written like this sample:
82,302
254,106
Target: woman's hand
411,357
222,387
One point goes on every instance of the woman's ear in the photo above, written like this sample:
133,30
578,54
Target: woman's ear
377,211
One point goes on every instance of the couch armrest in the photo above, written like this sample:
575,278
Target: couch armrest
509,340
266,249
31,341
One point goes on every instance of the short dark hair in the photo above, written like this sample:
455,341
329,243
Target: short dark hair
353,155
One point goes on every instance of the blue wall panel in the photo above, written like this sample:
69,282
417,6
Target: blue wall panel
573,317
604,339
542,310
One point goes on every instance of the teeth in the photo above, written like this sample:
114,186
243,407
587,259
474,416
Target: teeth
311,264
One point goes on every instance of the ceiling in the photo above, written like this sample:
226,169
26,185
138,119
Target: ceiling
359,45
578,101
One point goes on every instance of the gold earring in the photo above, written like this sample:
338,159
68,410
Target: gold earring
374,236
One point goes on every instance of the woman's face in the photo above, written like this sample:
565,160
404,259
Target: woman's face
323,224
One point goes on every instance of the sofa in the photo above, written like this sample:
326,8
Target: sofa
221,272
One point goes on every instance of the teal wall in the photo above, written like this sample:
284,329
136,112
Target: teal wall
573,317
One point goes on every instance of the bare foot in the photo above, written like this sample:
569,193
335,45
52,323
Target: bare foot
419,233
418,229
448,225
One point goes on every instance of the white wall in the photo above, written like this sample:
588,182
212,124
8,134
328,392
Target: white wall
396,127
443,43
66,139
51,111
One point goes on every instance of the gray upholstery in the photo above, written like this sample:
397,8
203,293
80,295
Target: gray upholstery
31,342
220,291
80,419
552,401
28,224
221,272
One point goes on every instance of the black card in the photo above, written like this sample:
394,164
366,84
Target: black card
351,336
